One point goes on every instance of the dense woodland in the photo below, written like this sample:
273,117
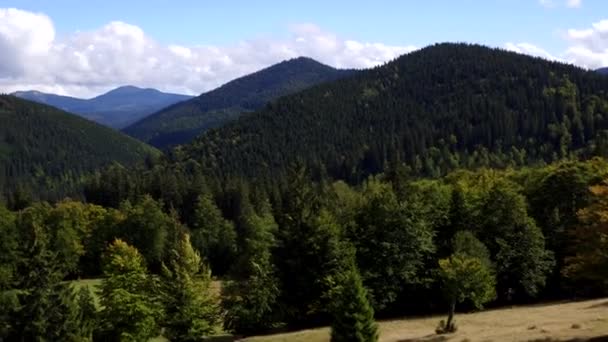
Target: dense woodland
529,234
422,186
46,152
182,122
443,107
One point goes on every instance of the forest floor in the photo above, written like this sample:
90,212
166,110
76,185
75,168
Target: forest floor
563,322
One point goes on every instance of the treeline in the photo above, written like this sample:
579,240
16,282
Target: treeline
291,259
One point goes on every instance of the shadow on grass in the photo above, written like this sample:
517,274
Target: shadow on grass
221,338
599,305
428,338
592,339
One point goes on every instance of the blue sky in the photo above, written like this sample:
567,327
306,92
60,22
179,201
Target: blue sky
528,26
420,23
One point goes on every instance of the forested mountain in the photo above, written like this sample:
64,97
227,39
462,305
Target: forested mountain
116,108
603,71
443,107
49,150
182,122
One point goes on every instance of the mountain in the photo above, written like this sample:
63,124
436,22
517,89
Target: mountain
50,150
440,108
603,71
182,122
116,108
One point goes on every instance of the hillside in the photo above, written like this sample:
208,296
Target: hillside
184,121
603,71
49,150
116,108
443,107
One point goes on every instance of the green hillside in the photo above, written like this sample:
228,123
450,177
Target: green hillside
444,107
183,121
49,150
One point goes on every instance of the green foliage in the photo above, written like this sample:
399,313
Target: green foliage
352,314
191,311
465,243
213,236
147,228
130,309
39,306
515,242
464,277
391,239
251,299
49,151
88,312
182,122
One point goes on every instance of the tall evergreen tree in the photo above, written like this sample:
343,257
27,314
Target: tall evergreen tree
191,311
352,314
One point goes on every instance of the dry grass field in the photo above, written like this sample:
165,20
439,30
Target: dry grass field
564,322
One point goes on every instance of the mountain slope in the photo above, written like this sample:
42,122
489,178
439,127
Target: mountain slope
183,121
603,71
443,107
116,108
49,150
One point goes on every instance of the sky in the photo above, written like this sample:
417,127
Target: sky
83,48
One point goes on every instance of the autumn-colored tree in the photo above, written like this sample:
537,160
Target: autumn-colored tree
589,262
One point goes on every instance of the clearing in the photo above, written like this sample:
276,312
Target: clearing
573,321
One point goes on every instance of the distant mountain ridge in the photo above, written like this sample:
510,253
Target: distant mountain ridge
182,122
117,108
603,71
49,151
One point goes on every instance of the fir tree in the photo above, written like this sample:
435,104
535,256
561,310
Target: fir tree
353,316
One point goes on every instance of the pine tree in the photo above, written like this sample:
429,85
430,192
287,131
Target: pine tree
130,312
191,311
353,316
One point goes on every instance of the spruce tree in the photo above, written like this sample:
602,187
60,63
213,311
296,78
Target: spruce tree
353,316
191,311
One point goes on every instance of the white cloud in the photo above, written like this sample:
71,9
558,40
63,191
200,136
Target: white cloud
586,47
87,63
589,46
530,49
574,3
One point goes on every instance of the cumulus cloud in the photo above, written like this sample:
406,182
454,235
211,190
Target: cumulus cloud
589,46
87,63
